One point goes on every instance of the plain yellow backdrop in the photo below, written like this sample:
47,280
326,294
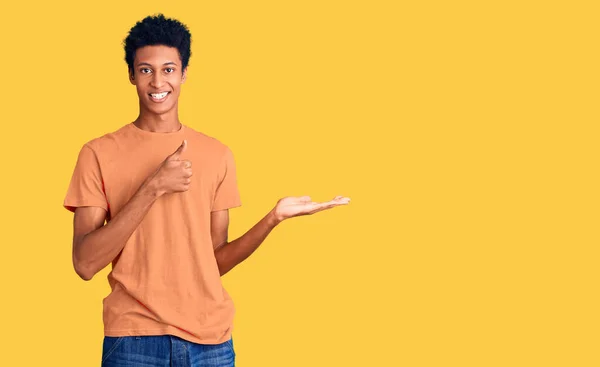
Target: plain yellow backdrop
465,133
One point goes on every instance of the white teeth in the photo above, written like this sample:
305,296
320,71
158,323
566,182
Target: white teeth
159,95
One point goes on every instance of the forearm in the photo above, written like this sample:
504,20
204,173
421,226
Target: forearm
94,251
232,253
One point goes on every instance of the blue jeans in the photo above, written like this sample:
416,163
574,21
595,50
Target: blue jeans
164,351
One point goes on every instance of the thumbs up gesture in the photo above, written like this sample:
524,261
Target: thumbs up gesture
174,174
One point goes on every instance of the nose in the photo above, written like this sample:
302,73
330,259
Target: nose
156,81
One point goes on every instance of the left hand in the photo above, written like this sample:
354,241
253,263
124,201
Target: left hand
291,206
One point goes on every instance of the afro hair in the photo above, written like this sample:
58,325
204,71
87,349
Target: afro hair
158,30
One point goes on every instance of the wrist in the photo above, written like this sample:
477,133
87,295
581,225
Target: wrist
151,188
273,218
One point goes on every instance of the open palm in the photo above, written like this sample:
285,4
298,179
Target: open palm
291,206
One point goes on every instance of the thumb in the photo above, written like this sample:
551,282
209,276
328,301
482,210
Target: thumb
179,151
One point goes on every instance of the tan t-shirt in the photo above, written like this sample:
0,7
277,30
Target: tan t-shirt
166,279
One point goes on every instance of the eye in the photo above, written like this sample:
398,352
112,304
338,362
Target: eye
145,71
169,70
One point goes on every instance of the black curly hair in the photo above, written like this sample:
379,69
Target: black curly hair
158,30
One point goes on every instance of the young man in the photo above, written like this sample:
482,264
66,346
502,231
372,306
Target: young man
152,198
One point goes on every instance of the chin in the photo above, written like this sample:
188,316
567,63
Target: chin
159,110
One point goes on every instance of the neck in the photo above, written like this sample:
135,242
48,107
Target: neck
167,122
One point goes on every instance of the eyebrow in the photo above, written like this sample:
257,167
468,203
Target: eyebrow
166,63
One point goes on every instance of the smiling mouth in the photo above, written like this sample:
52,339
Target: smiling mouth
159,96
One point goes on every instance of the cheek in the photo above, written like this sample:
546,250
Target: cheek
175,87
140,91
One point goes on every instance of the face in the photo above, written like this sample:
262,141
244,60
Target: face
157,74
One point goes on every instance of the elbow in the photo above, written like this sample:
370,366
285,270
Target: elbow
81,266
82,269
86,276
83,273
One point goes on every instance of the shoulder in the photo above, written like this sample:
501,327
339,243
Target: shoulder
109,141
209,144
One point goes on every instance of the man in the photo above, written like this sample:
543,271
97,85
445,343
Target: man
152,198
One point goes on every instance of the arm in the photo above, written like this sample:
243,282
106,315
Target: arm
229,254
96,245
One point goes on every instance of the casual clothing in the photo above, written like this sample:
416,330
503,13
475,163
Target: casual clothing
166,280
164,351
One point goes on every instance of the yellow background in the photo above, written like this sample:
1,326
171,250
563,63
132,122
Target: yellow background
465,132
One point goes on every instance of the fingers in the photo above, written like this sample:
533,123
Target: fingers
337,201
341,200
315,206
187,165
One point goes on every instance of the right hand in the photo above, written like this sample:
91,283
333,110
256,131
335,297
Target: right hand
174,174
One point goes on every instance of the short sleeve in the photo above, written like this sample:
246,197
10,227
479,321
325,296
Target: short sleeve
227,194
86,187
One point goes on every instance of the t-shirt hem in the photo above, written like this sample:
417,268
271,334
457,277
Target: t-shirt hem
71,206
224,207
164,331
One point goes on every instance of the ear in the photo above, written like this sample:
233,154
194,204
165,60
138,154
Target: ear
131,76
184,75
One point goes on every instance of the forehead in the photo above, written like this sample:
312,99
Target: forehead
157,55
